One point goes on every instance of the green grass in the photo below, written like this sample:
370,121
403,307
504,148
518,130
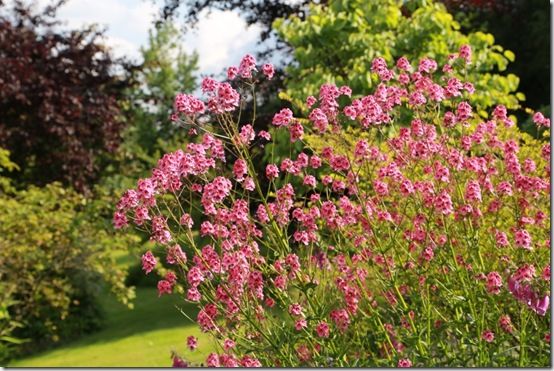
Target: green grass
143,336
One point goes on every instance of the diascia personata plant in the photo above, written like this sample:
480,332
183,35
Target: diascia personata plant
428,247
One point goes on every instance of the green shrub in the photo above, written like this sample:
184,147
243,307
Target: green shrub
55,257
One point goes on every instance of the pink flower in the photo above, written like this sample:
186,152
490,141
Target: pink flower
464,111
232,73
119,220
228,344
488,336
494,282
465,53
164,287
247,134
380,188
350,112
226,99
195,276
240,169
148,262
283,118
540,120
322,329
523,239
268,70
319,119
271,171
404,363
473,191
192,342
178,362
248,184
188,105
209,85
501,239
247,65
315,162
295,310
264,134
300,324
310,181
175,255
296,131
303,353
229,361
186,220
193,295
546,273
206,317
443,203
500,112
141,215
427,65
403,64
506,323
171,277
310,101
212,360
341,319
248,361
540,306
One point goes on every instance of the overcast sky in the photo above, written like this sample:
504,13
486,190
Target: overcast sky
220,39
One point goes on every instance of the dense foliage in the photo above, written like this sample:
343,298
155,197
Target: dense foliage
337,43
426,247
59,108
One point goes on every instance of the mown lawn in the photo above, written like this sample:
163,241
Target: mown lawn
143,336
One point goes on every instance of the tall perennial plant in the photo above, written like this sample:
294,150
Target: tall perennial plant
428,247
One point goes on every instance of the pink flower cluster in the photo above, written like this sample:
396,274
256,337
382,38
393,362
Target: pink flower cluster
369,235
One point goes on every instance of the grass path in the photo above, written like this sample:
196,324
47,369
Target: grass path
143,336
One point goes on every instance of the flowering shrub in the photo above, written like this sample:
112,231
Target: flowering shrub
428,247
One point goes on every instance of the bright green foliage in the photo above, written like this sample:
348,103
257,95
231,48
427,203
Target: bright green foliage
55,253
337,43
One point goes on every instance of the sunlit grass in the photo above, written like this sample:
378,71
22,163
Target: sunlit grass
143,336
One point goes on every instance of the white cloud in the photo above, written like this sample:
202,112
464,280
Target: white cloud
221,38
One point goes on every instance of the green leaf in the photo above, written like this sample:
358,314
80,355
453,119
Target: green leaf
510,55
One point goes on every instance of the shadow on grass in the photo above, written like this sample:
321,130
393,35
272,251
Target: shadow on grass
150,313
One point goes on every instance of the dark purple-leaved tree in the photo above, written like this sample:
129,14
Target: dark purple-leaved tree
60,97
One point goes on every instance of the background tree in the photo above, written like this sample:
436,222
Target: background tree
262,13
59,97
166,70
